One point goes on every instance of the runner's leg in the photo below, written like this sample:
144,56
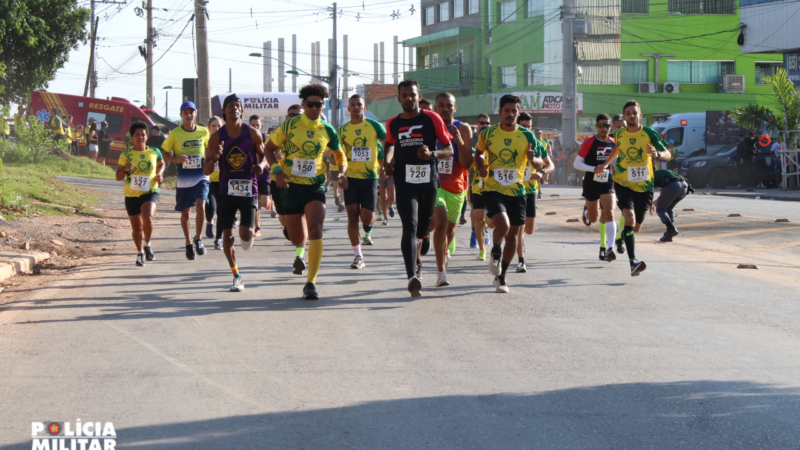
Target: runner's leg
407,207
315,216
136,232
440,235
148,212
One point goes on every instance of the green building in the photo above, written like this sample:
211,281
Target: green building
480,49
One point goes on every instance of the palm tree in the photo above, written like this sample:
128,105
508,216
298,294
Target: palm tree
787,102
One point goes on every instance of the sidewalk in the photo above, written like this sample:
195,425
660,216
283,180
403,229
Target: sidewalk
12,263
762,194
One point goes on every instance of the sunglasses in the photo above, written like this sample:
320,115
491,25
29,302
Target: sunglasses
293,114
484,123
604,125
317,105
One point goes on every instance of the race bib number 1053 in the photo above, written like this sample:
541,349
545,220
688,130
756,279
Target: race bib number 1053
362,154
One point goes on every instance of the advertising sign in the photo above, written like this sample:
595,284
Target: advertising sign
263,104
791,62
538,102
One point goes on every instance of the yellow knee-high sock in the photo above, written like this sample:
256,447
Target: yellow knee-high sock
314,259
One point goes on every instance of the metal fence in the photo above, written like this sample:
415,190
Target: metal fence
790,162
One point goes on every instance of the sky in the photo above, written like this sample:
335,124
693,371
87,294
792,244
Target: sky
233,33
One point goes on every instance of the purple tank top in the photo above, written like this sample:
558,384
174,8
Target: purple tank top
236,162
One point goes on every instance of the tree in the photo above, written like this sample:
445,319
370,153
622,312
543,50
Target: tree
787,114
35,39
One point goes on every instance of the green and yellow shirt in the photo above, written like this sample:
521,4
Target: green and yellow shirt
141,180
532,186
363,148
634,169
303,142
506,152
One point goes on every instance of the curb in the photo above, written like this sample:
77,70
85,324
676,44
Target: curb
764,196
14,263
96,181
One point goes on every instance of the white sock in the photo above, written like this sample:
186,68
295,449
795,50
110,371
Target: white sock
141,252
147,244
247,244
611,234
357,250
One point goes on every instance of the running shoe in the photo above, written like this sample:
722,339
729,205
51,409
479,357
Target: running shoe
620,246
414,286
336,200
494,265
386,221
637,267
299,266
201,249
238,284
210,230
419,270
585,216
539,196
473,241
462,221
482,255
310,292
522,268
148,254
669,235
426,245
217,244
486,238
258,232
286,234
500,285
272,213
358,262
610,256
190,252
236,222
602,253
366,240
380,216
140,260
341,207
451,249
441,281
391,211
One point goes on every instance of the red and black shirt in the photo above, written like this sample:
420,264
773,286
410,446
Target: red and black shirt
408,135
595,152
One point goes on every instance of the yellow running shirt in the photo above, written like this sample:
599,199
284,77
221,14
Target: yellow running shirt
506,153
141,179
193,145
532,186
634,169
303,141
363,148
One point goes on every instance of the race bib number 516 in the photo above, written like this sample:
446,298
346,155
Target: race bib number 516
638,174
506,177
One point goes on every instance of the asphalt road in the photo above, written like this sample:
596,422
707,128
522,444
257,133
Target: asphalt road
692,354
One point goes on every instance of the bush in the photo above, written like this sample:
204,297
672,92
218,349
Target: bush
34,145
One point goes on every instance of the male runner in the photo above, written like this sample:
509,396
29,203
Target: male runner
409,159
424,103
453,184
294,110
548,164
301,175
509,148
479,238
188,144
262,180
598,191
532,182
362,140
239,152
633,177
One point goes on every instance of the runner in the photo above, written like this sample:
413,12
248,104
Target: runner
142,168
239,152
56,125
293,111
674,188
509,148
424,103
532,181
362,140
453,184
263,180
633,177
214,124
477,215
301,174
188,143
409,159
616,123
333,178
598,191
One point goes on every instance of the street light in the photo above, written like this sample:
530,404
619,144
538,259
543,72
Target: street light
295,70
166,111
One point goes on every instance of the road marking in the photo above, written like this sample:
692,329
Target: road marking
740,233
774,246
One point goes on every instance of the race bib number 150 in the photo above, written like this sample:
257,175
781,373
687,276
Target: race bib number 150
305,168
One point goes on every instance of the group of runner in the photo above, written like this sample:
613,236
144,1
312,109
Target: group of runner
428,162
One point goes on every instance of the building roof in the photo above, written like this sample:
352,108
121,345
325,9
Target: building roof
451,33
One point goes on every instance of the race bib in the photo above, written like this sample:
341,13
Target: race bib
362,154
527,176
216,166
506,177
140,183
193,162
240,188
638,174
445,166
418,174
602,178
305,168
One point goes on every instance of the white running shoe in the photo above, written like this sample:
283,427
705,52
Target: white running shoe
358,263
442,279
238,284
494,265
500,285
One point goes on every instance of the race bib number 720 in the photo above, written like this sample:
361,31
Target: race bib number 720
418,174
638,174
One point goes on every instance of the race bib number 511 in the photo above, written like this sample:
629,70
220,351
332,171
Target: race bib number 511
445,166
418,174
638,174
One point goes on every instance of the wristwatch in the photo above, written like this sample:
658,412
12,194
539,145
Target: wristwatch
434,154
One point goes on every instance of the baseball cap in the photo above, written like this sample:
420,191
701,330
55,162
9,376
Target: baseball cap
187,104
671,141
229,99
104,124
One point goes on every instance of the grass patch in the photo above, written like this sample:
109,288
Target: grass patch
75,167
27,190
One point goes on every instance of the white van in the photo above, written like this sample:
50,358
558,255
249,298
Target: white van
687,130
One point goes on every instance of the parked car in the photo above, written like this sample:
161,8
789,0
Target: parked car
687,130
719,170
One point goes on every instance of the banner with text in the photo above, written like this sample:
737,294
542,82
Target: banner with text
538,102
791,62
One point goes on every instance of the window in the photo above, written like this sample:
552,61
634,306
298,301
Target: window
635,6
535,8
444,12
508,77
676,134
114,121
698,72
429,19
427,62
474,6
489,74
766,69
634,72
508,11
533,74
701,6
458,8
435,60
489,22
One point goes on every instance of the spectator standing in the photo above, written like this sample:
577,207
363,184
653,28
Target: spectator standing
156,138
745,155
104,142
91,138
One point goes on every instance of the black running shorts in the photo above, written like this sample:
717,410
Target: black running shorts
227,205
639,202
361,192
514,207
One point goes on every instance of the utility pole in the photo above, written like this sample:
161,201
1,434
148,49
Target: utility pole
151,100
656,57
294,62
382,64
90,74
230,79
395,68
281,70
203,80
345,75
568,93
268,66
333,74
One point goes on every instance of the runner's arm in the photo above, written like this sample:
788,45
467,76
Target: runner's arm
602,167
269,153
548,166
208,165
465,151
258,144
